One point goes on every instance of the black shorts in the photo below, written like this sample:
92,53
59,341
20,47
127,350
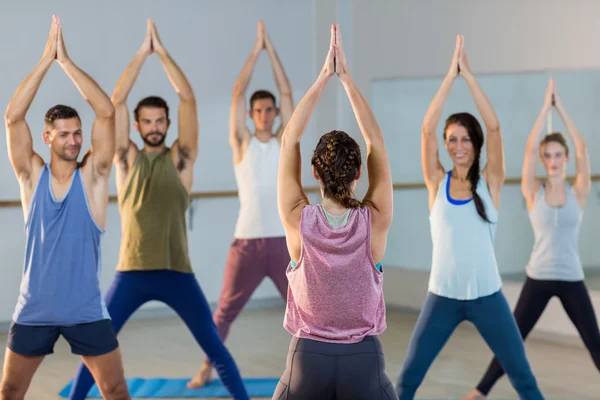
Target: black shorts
90,339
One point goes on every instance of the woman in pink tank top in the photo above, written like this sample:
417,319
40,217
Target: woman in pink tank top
335,304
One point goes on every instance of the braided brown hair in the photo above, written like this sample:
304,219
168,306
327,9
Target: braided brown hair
337,160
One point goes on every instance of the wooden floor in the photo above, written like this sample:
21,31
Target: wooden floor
164,348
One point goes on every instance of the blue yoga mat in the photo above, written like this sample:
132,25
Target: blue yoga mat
163,387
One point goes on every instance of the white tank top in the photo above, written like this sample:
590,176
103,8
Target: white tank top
463,262
256,177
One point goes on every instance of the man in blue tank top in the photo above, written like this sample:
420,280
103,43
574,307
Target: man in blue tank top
64,205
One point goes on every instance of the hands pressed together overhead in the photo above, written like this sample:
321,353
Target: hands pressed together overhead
152,43
263,41
460,63
335,62
55,46
552,99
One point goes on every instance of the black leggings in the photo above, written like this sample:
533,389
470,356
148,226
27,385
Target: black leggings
534,297
332,371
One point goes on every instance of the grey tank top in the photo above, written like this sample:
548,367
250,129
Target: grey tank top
336,221
555,254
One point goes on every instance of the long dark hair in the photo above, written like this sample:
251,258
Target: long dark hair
470,123
337,161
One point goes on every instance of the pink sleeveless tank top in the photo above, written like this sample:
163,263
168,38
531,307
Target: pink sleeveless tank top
335,292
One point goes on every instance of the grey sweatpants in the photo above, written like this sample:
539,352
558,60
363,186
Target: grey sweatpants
332,371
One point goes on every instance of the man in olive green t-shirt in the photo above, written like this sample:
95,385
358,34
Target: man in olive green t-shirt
153,186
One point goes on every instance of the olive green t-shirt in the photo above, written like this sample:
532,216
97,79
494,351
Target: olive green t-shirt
153,203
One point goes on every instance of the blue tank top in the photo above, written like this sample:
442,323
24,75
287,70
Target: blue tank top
60,283
463,262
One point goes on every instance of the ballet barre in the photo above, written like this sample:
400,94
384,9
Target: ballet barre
507,181
308,189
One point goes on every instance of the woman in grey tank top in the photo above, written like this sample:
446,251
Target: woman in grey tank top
555,210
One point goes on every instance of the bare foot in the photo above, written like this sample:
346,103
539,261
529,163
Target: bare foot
475,395
202,378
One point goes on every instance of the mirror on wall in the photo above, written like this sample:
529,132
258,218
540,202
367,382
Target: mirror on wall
400,105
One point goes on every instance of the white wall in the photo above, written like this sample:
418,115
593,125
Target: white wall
416,38
398,105
210,41
404,39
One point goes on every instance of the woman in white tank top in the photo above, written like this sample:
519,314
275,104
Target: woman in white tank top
465,284
555,211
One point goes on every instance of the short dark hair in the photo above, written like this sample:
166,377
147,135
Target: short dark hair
151,102
60,111
261,94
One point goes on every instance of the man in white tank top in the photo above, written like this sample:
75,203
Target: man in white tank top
259,248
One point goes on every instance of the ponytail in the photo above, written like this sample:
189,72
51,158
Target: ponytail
474,175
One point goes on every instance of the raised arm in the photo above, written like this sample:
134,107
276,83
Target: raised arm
529,183
583,181
379,197
125,148
238,130
186,145
103,128
283,85
18,135
291,198
433,170
494,171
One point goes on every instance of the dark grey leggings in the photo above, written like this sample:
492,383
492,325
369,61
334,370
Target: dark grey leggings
333,371
534,298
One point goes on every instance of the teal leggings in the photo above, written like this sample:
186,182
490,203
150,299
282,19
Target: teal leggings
493,319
